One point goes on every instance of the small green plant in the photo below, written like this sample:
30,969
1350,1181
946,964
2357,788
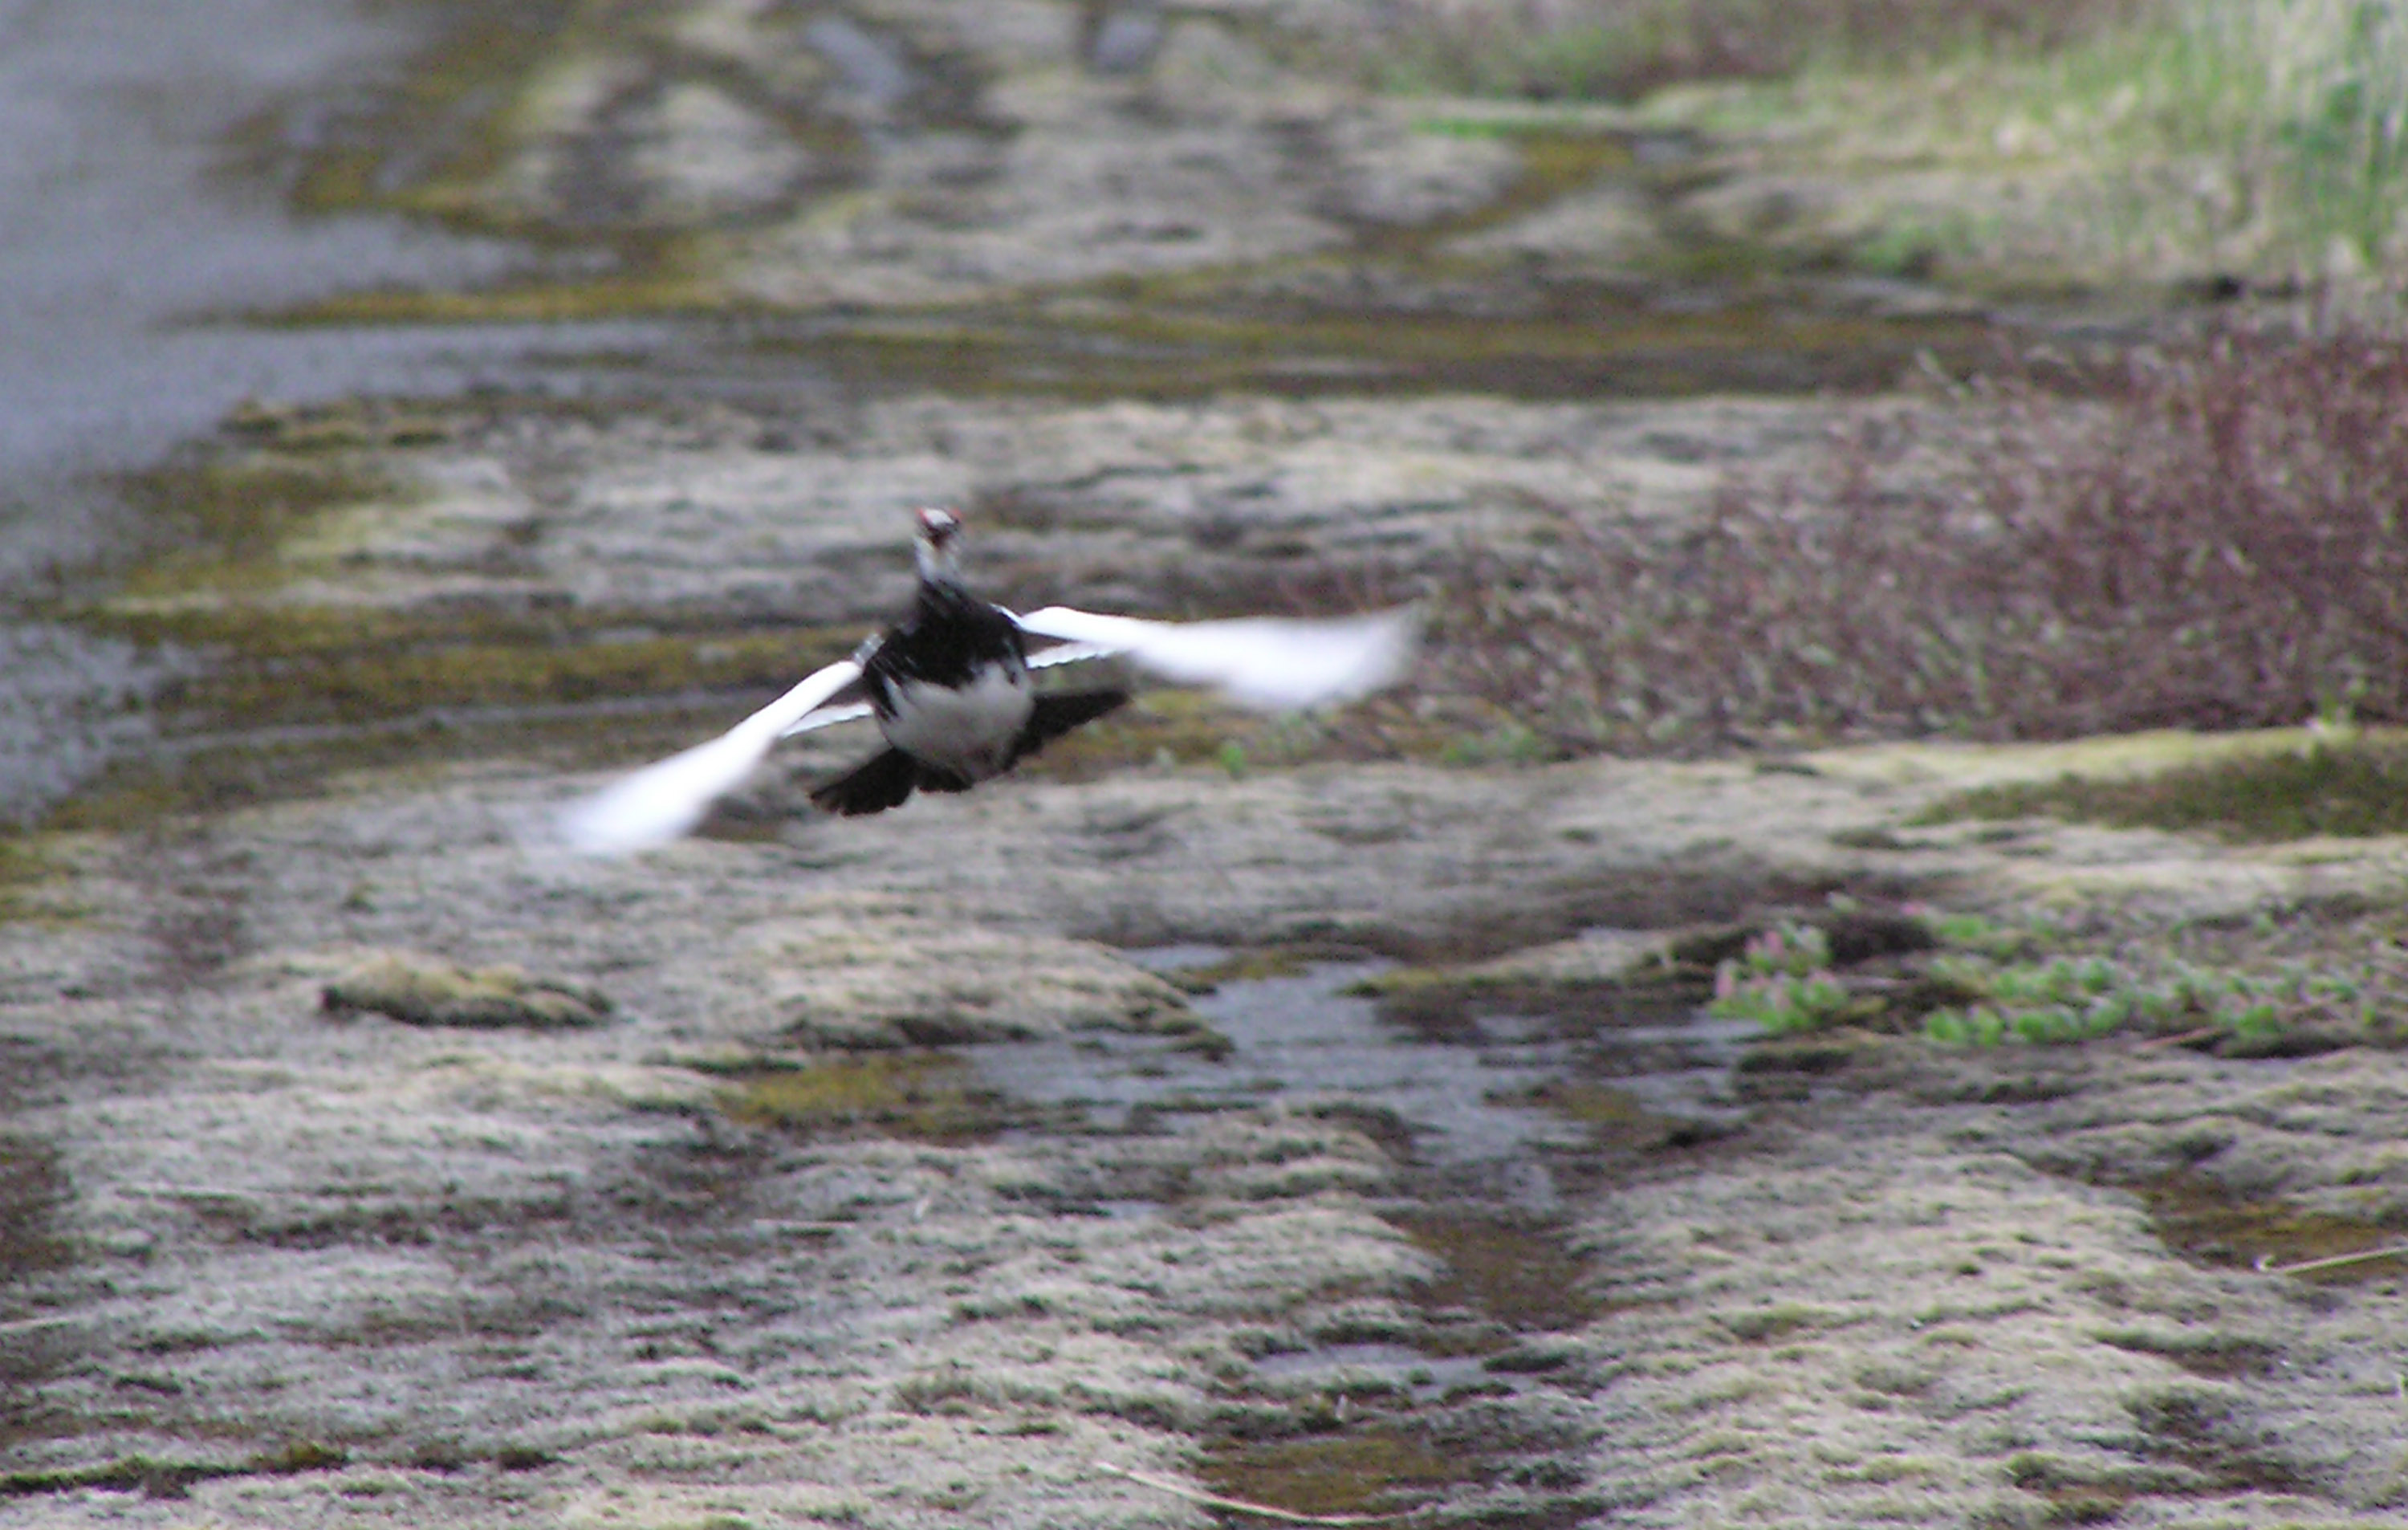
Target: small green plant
1979,981
2070,999
1977,934
1510,743
1782,1003
1788,948
1781,980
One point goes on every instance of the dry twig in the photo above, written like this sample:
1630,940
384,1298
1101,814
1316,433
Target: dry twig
2396,1251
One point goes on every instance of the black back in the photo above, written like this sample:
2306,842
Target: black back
949,637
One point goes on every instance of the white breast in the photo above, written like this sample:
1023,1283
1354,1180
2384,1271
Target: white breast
968,732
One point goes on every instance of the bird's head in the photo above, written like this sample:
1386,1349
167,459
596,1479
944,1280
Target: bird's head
938,545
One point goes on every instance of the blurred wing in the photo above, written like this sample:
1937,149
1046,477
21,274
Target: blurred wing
662,801
1266,662
1065,653
825,717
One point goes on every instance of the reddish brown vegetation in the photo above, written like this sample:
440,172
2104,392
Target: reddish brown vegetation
2219,545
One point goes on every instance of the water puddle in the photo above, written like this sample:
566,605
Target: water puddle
2208,1224
1304,1040
1373,1470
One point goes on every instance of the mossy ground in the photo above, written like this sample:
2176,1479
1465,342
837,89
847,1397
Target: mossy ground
2352,787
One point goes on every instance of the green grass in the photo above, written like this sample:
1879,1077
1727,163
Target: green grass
2354,788
2258,138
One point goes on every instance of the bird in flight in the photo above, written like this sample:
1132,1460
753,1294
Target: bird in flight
950,687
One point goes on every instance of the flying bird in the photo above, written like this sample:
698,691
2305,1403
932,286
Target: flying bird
950,687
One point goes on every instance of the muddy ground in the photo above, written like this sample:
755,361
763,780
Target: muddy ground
1321,1114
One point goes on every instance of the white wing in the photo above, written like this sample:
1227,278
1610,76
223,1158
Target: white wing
664,800
826,717
1267,661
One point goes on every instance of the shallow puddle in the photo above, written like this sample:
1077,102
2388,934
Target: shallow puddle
2202,1220
1350,1473
1303,1040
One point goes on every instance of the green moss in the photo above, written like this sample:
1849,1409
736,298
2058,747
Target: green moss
383,670
2356,787
291,695
424,992
926,1095
172,1478
324,694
